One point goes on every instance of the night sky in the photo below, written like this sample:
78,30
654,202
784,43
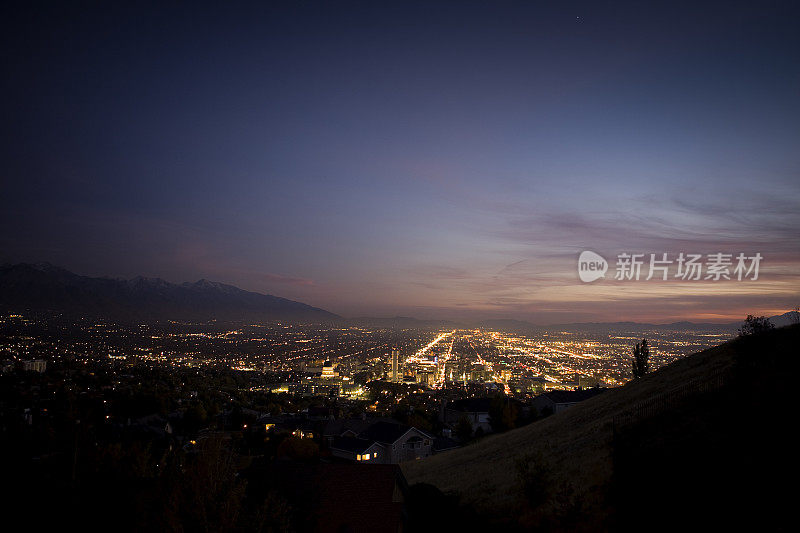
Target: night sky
431,159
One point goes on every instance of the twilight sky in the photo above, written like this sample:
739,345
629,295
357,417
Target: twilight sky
432,159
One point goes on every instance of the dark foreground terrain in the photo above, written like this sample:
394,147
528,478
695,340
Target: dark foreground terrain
701,443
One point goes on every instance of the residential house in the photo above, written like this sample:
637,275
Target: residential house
379,441
476,410
558,400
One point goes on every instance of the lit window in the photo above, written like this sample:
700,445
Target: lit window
366,457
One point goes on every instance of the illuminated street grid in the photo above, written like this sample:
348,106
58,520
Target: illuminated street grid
437,359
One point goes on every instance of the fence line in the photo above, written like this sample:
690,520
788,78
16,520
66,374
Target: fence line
666,400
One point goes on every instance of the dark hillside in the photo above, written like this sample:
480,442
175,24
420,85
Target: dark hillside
699,442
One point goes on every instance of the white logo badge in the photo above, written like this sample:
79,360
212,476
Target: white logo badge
591,266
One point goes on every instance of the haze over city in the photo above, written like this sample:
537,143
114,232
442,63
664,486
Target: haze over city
436,160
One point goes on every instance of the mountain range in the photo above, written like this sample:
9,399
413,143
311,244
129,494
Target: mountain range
44,287
28,287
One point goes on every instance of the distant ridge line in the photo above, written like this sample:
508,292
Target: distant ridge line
44,287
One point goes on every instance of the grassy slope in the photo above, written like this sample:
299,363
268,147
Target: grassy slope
577,443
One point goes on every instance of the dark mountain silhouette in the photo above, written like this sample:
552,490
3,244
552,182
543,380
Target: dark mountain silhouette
786,319
44,287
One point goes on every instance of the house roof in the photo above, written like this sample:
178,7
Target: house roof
318,410
356,425
351,444
386,432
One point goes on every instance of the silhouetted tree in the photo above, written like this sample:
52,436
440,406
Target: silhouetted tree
502,414
754,325
194,418
463,429
212,494
298,449
419,421
641,359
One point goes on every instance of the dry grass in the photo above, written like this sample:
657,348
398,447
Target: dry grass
576,442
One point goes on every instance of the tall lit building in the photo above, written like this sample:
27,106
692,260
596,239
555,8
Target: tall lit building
395,363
